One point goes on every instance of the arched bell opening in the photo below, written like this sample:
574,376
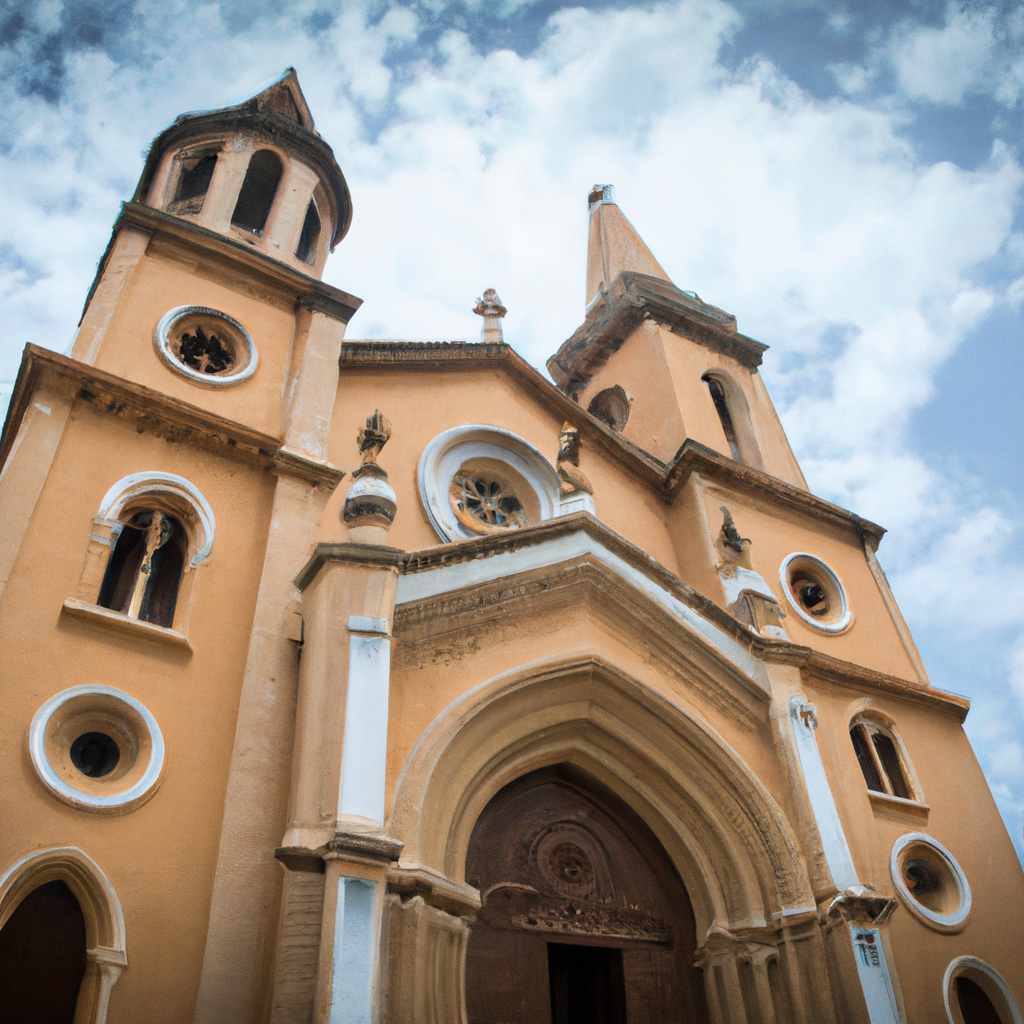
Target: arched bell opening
42,957
583,914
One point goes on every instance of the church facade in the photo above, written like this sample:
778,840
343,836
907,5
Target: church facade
360,681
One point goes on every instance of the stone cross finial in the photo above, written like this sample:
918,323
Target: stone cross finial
373,437
491,309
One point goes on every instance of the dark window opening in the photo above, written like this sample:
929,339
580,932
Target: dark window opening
879,761
722,408
257,195
95,754
310,235
193,184
587,984
42,957
145,568
975,1005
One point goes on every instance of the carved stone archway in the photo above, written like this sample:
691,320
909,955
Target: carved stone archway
726,837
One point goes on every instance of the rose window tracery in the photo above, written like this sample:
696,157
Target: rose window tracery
485,503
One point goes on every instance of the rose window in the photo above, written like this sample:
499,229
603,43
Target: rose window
484,503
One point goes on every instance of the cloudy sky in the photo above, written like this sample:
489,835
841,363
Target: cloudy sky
845,177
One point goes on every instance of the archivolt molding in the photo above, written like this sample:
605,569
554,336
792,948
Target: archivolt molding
104,920
181,495
726,835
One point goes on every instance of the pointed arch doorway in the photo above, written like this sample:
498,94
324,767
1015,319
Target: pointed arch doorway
584,918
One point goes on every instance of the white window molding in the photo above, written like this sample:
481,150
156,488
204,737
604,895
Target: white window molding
449,451
951,875
179,495
838,619
235,336
91,708
988,979
105,953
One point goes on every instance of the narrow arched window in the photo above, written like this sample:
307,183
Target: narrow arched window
145,568
258,190
880,760
724,415
193,183
310,235
42,957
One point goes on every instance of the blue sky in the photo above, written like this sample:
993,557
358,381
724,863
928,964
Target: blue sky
844,177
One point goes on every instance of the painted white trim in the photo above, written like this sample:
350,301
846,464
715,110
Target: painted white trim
875,979
444,455
136,485
62,789
161,338
942,921
845,614
956,967
365,746
445,579
355,952
804,720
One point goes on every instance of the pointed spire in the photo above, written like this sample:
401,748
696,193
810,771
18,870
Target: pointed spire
614,245
285,97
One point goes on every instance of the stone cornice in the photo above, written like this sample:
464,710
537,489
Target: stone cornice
372,555
435,356
632,299
154,411
307,291
694,457
813,663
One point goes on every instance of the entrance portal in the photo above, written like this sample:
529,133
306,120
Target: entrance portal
584,918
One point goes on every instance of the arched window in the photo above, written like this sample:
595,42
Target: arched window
310,235
145,567
257,195
881,760
193,183
724,415
976,993
42,957
58,902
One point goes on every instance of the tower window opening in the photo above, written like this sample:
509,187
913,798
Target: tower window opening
880,760
203,353
193,184
722,408
145,568
310,235
258,191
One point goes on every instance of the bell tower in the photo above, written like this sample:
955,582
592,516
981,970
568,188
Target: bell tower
658,364
209,291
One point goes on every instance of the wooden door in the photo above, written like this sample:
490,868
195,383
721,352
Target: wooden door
584,918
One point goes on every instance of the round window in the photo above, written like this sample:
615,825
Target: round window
485,498
208,347
930,882
97,749
815,593
477,479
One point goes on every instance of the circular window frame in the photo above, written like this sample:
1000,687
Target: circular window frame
47,719
445,455
845,619
162,340
948,923
964,965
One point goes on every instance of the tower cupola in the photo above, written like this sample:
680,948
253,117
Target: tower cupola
258,172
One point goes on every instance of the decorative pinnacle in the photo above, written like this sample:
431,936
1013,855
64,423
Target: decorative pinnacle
373,437
730,535
601,194
491,309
